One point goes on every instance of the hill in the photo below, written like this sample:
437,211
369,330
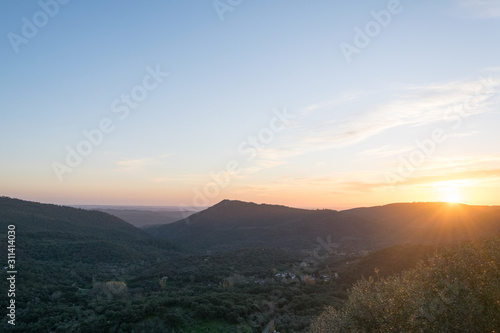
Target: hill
432,222
54,232
456,290
231,225
88,271
144,216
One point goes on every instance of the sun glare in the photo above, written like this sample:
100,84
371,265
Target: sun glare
451,194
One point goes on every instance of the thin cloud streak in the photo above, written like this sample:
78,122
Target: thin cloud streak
140,163
480,9
322,128
385,151
466,178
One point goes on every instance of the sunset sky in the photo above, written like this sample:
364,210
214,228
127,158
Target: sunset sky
321,104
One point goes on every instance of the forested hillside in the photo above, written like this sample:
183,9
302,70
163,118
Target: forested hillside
231,225
62,233
457,290
247,267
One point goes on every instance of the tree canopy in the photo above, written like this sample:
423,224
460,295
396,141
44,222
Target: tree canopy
457,290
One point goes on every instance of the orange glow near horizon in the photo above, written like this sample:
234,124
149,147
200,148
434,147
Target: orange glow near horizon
451,195
301,194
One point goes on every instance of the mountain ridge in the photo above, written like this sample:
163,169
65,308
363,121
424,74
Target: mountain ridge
237,224
66,233
233,224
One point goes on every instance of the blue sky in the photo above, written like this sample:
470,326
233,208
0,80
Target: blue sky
355,122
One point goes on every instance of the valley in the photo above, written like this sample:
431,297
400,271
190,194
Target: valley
234,267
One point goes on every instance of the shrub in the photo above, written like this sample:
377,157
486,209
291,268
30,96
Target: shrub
457,290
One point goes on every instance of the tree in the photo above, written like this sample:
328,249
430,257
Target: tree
454,291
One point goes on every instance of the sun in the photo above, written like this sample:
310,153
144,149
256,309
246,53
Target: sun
451,194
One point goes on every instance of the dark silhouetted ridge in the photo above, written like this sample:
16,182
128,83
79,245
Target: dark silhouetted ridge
48,231
233,224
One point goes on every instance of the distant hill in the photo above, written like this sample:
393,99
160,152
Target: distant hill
432,222
231,225
88,271
147,218
71,233
54,232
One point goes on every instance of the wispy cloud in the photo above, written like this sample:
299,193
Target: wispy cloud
140,163
385,151
130,165
349,119
480,9
343,98
463,178
445,165
468,176
182,178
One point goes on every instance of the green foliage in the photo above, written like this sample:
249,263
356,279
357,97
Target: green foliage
58,233
386,261
84,271
455,291
236,225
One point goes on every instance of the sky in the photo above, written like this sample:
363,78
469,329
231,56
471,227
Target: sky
318,104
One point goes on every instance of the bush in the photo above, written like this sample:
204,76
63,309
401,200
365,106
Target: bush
455,291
